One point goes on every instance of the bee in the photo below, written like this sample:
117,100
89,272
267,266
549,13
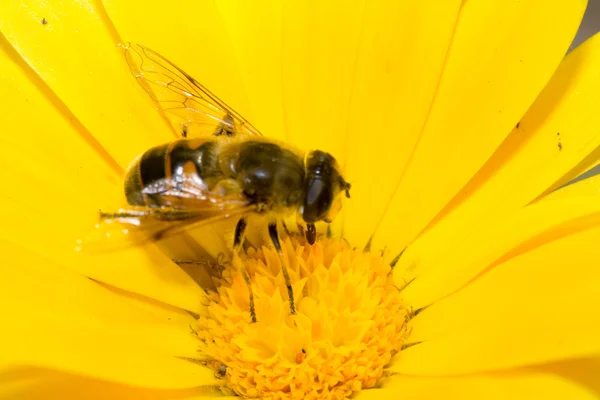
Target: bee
220,167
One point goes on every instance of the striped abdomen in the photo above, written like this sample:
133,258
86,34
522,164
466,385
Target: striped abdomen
167,169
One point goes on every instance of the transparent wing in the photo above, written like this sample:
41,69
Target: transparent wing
135,226
192,109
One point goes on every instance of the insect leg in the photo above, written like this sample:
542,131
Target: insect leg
192,262
300,229
285,229
123,214
311,233
226,127
300,225
275,238
237,245
158,213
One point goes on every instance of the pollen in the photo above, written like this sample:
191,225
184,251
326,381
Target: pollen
350,322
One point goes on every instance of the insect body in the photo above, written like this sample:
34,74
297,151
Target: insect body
221,167
222,171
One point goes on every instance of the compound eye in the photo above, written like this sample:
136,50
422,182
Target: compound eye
318,200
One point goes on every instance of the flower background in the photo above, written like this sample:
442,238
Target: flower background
51,326
589,26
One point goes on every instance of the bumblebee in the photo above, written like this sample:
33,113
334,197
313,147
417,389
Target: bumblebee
221,167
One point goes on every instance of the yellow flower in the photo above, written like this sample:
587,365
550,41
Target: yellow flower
455,121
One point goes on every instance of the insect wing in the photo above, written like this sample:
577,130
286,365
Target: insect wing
136,226
191,108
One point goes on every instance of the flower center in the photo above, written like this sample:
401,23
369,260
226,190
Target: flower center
350,321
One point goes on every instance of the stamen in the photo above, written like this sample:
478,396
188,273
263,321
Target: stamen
349,323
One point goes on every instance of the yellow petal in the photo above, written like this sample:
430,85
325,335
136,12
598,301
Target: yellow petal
256,33
30,280
35,383
62,321
502,54
518,385
77,55
54,197
320,44
583,371
403,46
582,188
564,114
162,311
499,237
191,34
537,307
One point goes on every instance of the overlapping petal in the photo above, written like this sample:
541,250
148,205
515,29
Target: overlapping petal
192,35
517,385
402,51
493,73
556,135
536,307
57,177
573,209
319,54
256,33
35,383
60,320
76,53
